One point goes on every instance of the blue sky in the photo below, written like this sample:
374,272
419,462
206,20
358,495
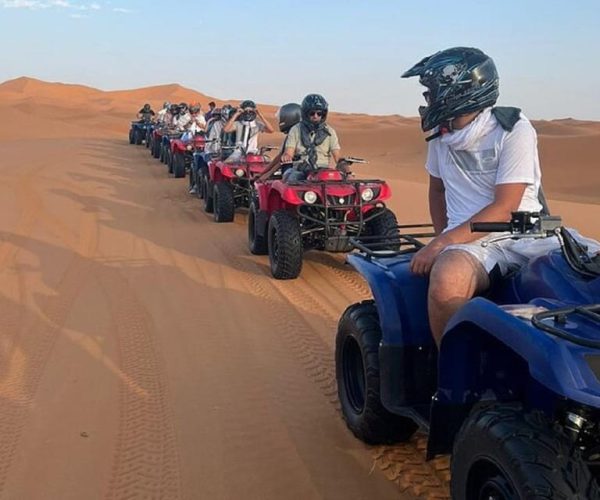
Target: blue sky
277,51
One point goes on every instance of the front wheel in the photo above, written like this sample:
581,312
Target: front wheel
504,453
357,374
285,245
137,136
257,244
178,165
224,202
131,138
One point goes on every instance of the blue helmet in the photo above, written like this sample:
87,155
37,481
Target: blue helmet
459,80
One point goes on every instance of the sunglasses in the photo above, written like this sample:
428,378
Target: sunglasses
315,113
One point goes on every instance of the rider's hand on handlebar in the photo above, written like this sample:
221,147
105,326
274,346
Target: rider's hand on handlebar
285,158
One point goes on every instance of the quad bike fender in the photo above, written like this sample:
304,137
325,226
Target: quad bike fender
489,354
488,348
400,297
407,354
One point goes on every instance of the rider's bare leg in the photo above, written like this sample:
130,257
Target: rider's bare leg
455,278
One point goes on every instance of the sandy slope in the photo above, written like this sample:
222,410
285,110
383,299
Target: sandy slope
143,351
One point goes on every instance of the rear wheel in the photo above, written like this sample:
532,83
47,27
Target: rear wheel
224,203
504,453
169,161
256,243
285,245
385,226
357,374
178,165
207,198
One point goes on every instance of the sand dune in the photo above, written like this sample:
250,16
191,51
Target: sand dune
145,353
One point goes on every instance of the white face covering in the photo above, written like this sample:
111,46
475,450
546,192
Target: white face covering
466,137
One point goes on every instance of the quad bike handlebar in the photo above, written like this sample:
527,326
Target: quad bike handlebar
521,225
535,225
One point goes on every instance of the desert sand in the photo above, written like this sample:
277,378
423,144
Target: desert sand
144,353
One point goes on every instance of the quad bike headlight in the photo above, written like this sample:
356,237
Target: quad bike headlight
310,197
367,194
239,172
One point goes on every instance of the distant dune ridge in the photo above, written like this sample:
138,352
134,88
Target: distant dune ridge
393,144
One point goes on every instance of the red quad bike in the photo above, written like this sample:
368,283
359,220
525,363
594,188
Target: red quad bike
230,185
322,213
164,147
182,152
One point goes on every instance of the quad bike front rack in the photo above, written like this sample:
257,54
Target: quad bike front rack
400,244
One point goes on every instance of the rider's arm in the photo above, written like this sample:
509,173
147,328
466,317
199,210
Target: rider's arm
334,146
291,143
273,166
437,204
230,125
268,127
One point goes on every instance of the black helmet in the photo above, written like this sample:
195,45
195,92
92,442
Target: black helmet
248,116
146,108
314,102
215,113
183,107
288,115
174,109
226,111
459,80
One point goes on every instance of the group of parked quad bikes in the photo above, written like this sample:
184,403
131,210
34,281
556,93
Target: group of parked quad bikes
513,393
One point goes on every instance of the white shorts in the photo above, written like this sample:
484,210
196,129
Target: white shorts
510,254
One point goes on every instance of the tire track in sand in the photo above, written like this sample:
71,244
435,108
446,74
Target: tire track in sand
404,463
146,462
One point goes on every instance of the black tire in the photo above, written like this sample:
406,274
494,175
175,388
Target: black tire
285,245
384,224
207,200
155,148
162,152
224,203
147,139
257,244
137,137
169,160
178,165
502,452
357,374
131,138
200,181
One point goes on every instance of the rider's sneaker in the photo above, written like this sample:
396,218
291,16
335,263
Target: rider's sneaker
193,189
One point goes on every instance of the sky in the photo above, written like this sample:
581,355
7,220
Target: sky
277,51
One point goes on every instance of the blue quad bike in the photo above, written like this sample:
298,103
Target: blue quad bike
138,132
514,391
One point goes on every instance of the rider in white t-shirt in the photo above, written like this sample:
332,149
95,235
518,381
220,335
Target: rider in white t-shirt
483,164
248,122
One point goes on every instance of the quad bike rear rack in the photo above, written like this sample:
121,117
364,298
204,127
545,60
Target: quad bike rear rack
404,243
